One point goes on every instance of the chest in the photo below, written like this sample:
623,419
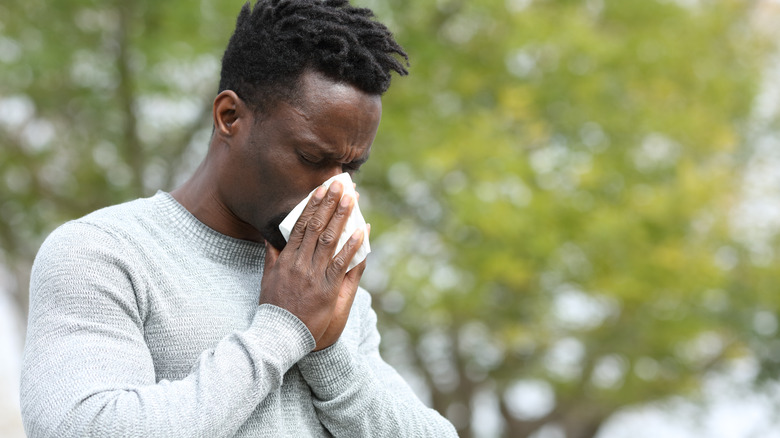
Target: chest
189,306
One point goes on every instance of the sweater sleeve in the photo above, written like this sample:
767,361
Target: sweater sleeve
357,394
87,371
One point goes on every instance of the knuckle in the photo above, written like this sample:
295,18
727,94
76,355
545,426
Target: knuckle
299,270
330,199
328,237
300,226
315,224
314,202
339,261
341,212
297,267
333,273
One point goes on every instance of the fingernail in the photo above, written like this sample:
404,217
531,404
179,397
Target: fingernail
320,193
356,235
345,201
335,187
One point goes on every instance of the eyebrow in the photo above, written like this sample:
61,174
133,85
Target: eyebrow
315,147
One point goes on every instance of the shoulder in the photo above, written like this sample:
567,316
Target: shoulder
100,228
103,234
119,217
92,258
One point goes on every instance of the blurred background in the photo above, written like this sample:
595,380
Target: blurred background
575,204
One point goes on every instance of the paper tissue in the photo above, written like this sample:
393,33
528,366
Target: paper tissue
354,221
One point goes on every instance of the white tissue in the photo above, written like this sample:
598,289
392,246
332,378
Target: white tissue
354,221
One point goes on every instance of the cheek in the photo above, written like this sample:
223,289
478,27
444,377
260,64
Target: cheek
295,182
276,181
279,194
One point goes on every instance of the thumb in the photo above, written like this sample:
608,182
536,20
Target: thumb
271,255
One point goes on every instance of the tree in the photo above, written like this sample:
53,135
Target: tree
553,189
101,102
549,190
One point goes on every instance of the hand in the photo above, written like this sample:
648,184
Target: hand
305,278
344,303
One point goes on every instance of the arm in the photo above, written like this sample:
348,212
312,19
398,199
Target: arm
359,394
88,372
354,394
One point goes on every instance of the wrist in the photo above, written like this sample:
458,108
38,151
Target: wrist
329,371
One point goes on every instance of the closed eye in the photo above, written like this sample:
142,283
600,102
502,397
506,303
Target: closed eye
309,160
316,162
351,168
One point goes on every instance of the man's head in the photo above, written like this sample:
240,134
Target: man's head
278,40
299,102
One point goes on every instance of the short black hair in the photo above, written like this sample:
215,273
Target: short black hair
275,42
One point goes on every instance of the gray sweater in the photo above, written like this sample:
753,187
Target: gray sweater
144,322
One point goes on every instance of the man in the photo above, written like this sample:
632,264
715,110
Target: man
187,314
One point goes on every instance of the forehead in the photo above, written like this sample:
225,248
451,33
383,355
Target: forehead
336,118
317,93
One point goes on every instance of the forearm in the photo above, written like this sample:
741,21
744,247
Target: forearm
351,400
79,384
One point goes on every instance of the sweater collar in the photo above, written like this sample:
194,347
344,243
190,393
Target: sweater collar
218,246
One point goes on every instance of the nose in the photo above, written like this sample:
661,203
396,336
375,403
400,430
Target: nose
331,171
324,174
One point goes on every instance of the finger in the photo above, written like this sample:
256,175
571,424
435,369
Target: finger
354,274
338,266
318,222
299,230
328,240
349,288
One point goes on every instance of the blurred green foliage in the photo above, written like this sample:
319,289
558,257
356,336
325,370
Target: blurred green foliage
551,188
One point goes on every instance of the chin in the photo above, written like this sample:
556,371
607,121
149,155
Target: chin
272,234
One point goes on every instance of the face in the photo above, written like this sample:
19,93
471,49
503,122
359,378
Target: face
290,150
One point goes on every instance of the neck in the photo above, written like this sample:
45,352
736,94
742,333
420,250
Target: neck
200,195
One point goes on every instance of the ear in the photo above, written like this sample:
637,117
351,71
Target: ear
229,112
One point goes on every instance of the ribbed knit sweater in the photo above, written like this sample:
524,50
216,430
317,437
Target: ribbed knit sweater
144,322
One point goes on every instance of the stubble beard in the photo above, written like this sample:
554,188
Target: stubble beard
271,233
